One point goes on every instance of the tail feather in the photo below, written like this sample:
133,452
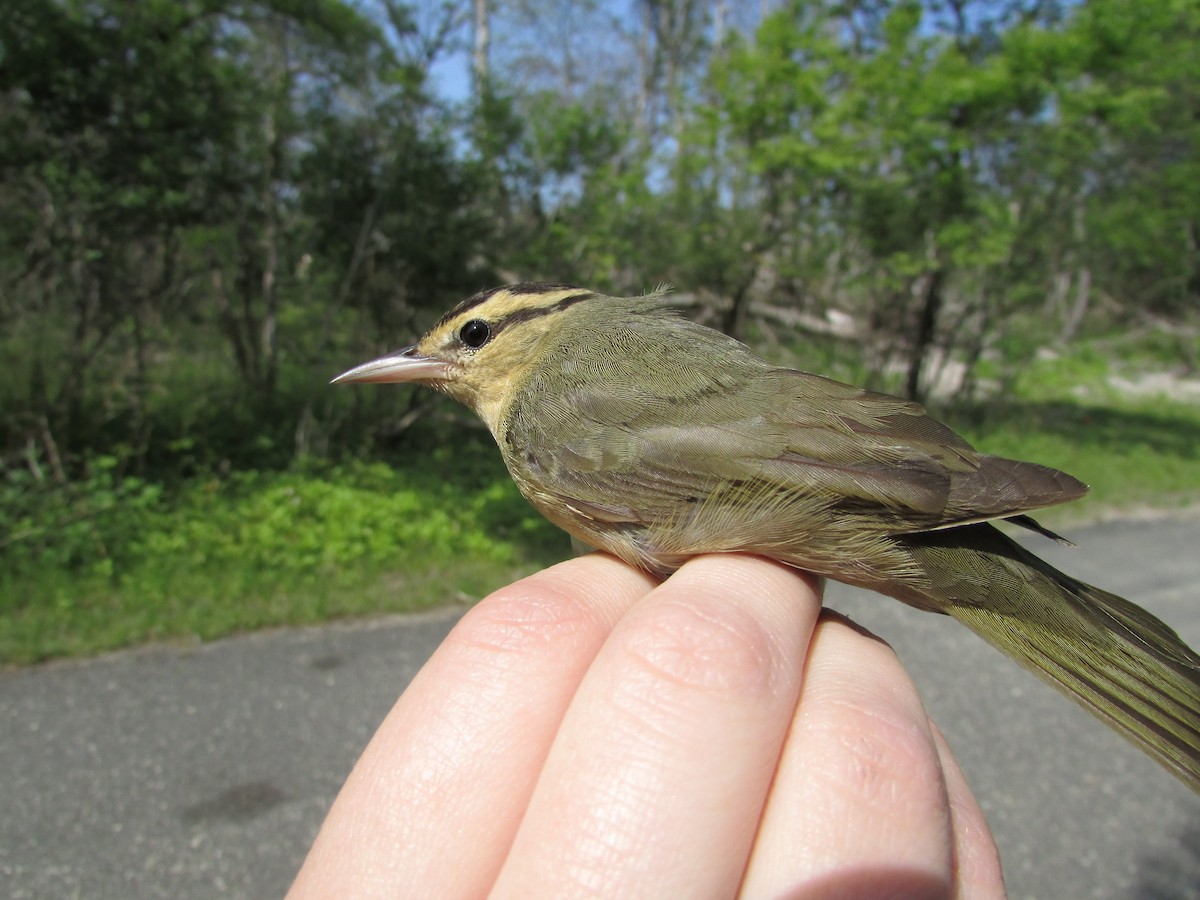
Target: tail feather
1114,658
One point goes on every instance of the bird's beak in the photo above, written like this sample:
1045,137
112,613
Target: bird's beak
405,365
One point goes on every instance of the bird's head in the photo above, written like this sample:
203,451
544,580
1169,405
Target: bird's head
482,348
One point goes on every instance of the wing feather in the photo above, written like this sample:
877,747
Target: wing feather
676,436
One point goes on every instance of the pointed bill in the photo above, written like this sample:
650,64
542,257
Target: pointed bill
405,365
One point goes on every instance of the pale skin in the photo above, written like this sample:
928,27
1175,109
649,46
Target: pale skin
587,732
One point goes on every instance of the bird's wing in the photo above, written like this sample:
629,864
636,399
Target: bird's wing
638,457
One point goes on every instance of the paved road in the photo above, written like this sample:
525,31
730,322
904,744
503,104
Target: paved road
205,771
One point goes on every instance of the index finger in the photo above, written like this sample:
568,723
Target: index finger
433,804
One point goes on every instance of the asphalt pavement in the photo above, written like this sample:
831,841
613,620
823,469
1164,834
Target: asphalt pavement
205,771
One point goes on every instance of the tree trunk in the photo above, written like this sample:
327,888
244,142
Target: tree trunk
1075,316
926,328
647,76
270,271
483,36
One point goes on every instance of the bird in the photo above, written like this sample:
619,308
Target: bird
650,436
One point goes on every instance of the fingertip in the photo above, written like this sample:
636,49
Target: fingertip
658,776
860,775
977,868
432,804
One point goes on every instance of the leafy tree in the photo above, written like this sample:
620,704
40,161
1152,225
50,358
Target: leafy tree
1134,100
204,201
182,175
115,124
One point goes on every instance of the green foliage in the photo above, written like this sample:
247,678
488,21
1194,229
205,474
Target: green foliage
112,560
252,191
206,183
1133,452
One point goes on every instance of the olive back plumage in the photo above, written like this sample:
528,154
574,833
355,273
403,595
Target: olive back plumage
614,409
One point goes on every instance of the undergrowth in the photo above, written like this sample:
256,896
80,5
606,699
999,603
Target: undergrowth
112,560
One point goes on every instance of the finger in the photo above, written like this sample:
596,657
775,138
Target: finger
433,804
977,872
656,782
859,806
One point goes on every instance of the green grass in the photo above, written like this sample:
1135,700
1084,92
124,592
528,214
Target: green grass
1130,455
1133,452
114,561
122,562
90,616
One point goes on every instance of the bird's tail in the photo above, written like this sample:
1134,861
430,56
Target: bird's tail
1110,655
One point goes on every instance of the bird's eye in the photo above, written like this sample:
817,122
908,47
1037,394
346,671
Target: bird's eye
475,333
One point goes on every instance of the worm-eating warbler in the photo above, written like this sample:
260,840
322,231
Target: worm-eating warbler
655,438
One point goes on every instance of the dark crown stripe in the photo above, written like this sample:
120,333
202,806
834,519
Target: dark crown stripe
529,287
534,312
470,303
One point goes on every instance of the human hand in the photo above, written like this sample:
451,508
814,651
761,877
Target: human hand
585,732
